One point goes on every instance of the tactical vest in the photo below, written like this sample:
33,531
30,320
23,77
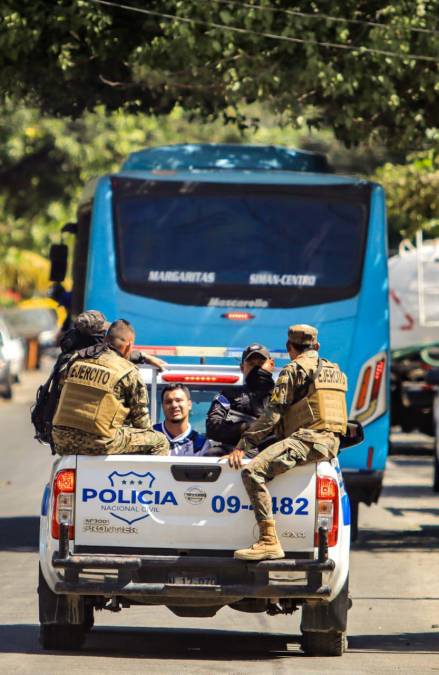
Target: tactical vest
88,400
323,405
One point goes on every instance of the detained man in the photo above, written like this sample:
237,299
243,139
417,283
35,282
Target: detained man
183,440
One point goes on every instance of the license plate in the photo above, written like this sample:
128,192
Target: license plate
191,580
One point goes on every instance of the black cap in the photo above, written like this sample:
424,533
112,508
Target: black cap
255,349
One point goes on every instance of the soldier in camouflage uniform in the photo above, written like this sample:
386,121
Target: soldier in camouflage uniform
100,396
307,411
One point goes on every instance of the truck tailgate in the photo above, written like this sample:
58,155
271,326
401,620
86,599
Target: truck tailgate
143,502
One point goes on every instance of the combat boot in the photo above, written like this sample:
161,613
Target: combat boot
266,548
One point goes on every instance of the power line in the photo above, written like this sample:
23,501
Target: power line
269,36
326,17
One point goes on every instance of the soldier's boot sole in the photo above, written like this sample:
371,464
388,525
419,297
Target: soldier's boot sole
252,555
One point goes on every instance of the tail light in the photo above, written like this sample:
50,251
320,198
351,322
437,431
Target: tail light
209,379
63,502
370,398
327,508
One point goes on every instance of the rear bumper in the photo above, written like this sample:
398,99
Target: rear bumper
137,575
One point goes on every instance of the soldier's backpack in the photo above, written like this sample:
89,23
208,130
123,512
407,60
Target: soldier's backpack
46,400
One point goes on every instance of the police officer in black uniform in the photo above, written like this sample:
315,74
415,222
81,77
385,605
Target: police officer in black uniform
234,409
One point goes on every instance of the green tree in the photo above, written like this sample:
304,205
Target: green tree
368,71
46,161
412,191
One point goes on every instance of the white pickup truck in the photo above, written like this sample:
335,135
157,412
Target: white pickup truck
126,530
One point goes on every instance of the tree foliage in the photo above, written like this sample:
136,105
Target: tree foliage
45,161
412,192
369,70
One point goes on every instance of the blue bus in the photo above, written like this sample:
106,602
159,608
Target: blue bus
220,245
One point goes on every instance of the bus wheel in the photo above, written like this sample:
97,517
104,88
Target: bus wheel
354,519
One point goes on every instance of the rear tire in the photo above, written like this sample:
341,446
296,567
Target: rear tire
53,634
315,643
64,637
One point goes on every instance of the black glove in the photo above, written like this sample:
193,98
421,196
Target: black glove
137,357
353,436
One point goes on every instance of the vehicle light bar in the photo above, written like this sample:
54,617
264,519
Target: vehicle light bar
210,379
238,316
214,352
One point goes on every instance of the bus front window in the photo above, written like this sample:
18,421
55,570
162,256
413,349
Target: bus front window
276,246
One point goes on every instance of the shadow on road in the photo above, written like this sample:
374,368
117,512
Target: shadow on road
221,645
394,540
19,533
411,446
415,643
160,643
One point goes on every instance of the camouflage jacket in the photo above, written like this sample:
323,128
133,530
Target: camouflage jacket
130,390
286,391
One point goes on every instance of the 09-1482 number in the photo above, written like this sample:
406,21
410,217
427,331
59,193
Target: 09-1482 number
287,506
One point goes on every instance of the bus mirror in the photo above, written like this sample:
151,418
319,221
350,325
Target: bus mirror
58,262
70,228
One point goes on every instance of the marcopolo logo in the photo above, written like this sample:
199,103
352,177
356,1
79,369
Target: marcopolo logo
130,494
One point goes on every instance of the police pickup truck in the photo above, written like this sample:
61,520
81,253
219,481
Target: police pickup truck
124,530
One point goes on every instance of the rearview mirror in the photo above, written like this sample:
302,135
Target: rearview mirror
353,436
58,259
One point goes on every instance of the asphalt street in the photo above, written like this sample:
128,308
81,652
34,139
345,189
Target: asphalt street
394,579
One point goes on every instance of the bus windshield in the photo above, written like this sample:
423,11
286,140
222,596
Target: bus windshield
253,245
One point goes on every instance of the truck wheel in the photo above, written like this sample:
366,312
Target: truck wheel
68,638
316,643
54,632
324,625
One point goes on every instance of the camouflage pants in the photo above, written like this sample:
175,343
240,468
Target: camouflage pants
128,440
273,461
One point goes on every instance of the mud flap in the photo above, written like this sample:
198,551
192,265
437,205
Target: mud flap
330,616
59,609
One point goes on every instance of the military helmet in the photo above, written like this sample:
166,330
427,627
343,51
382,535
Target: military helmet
91,322
302,335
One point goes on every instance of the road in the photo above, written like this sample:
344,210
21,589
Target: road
393,624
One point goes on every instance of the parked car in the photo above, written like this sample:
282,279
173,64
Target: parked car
14,349
36,323
5,375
